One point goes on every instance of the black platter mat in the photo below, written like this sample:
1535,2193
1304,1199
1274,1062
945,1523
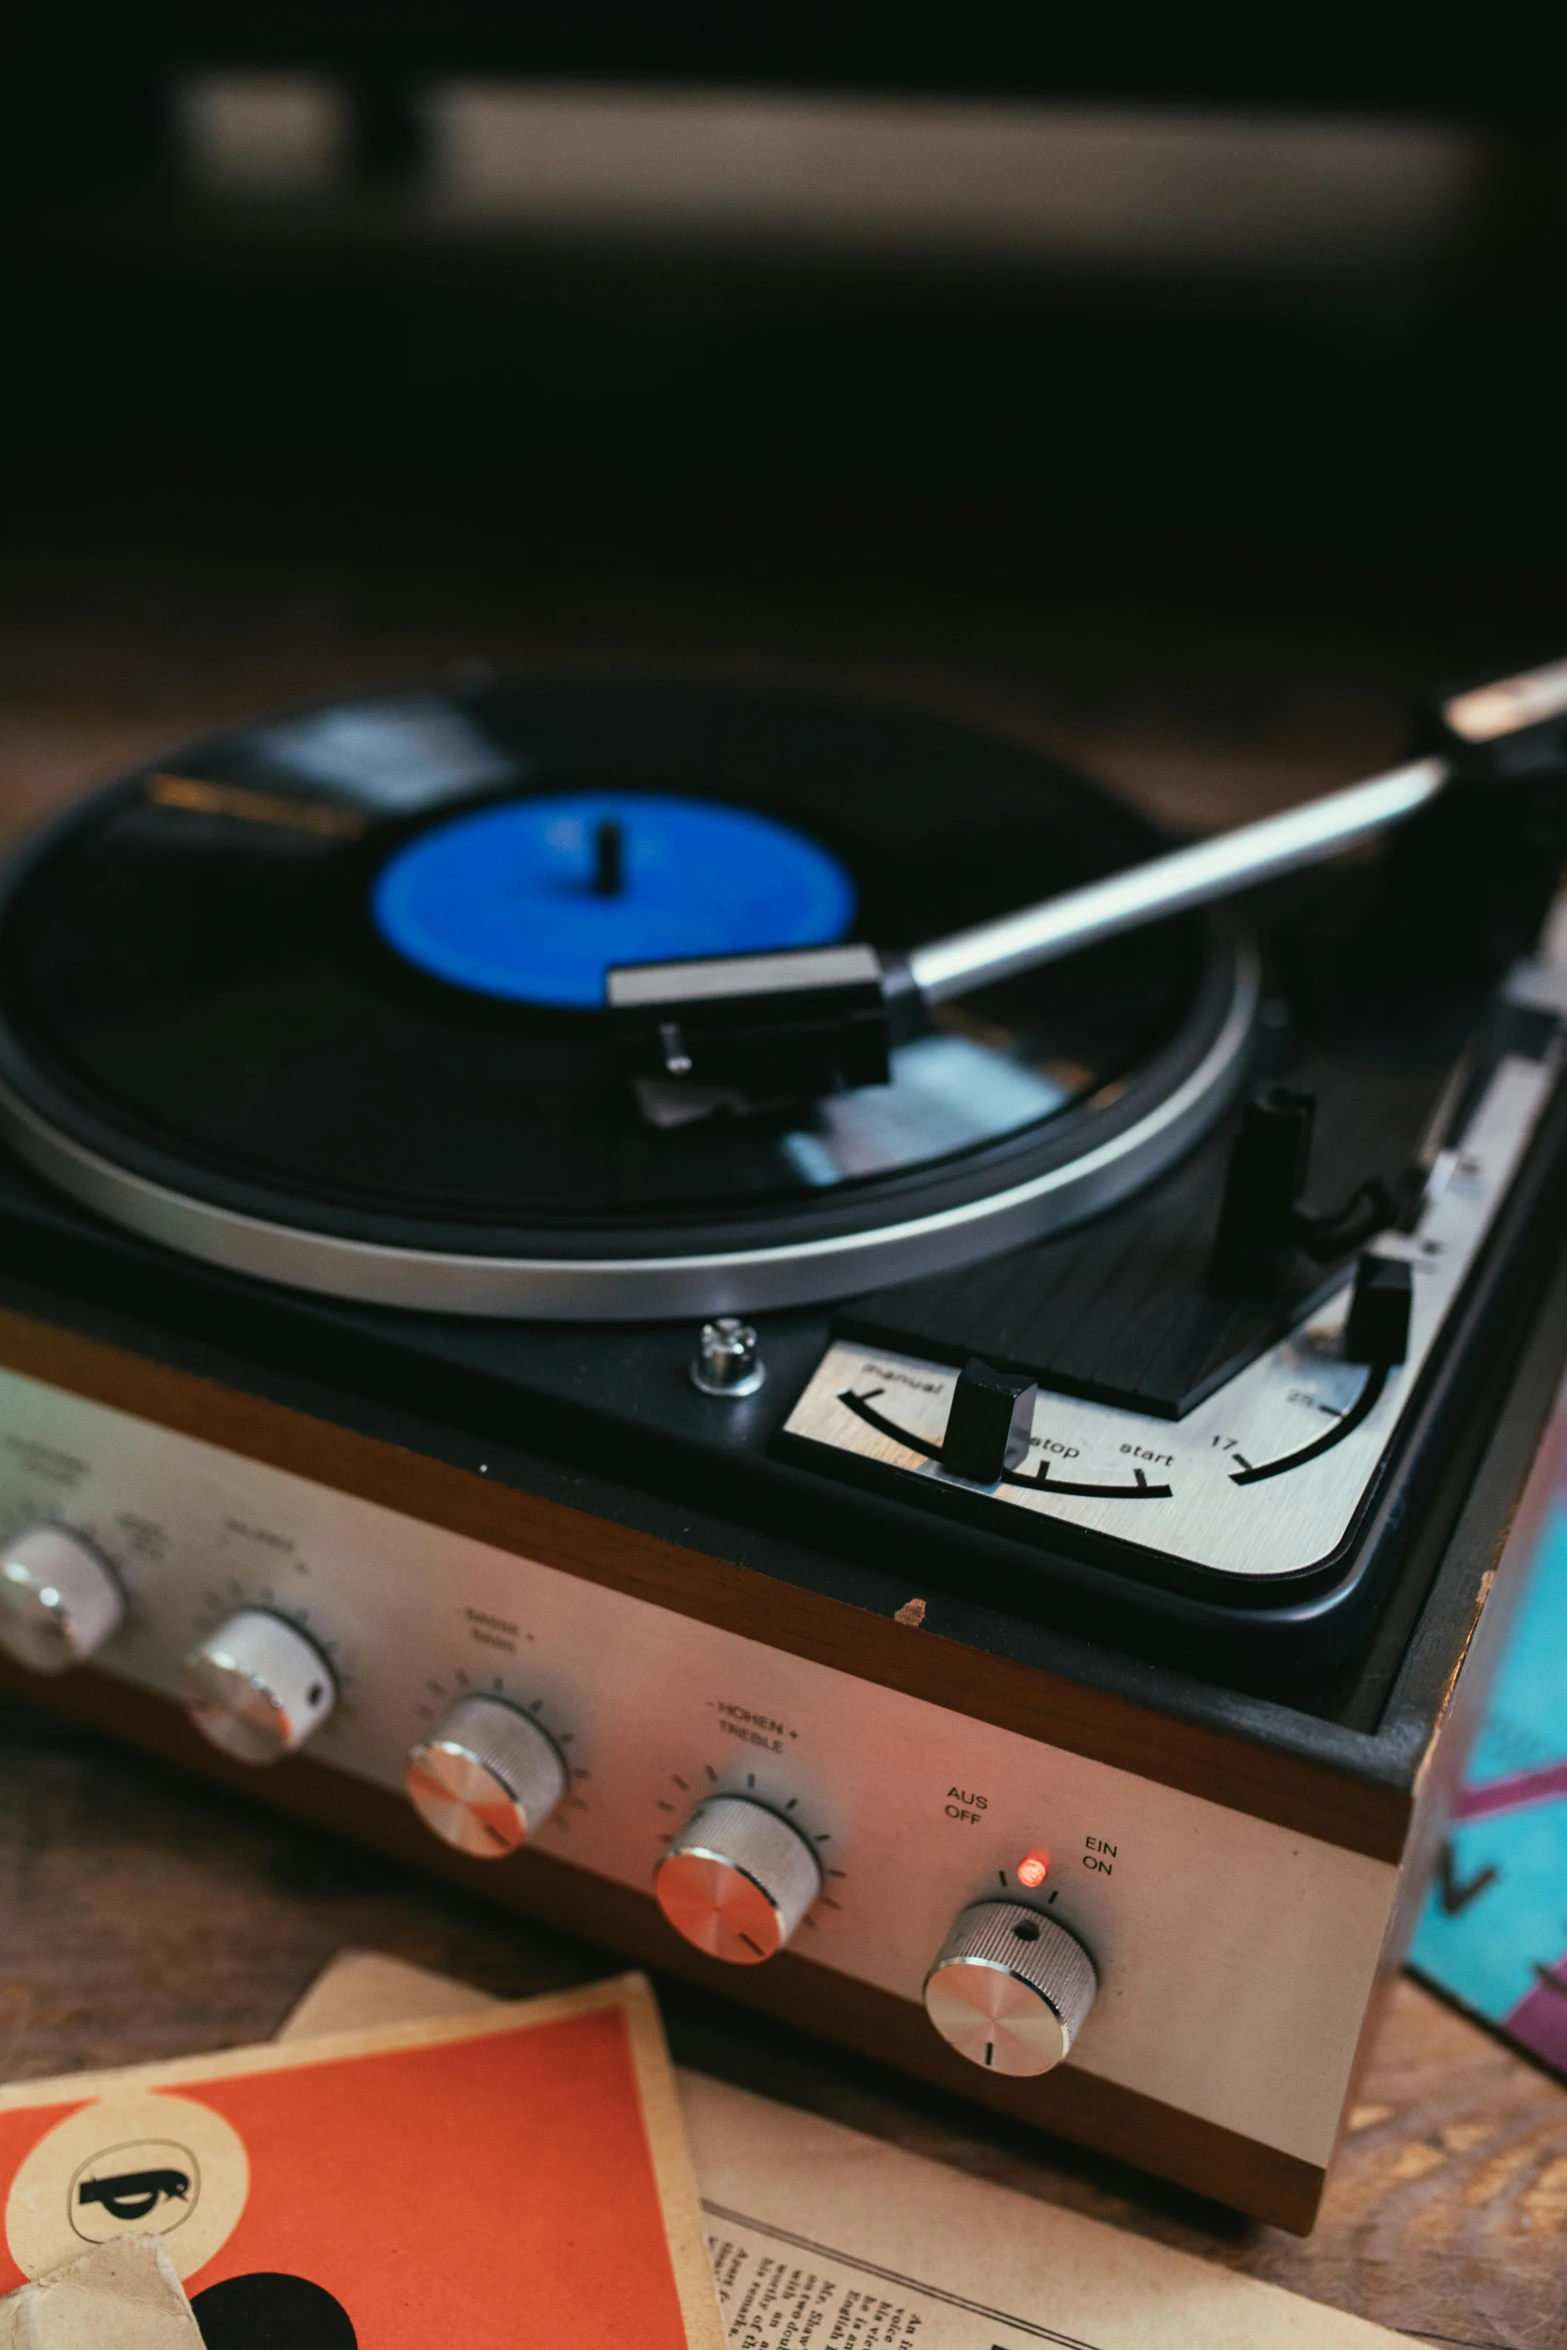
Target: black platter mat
191,983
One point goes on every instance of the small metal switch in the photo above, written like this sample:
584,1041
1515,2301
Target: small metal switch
728,1360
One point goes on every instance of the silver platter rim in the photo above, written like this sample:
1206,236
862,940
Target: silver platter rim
652,1289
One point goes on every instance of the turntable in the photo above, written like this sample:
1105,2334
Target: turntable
751,1321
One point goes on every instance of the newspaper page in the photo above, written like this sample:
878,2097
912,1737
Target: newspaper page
824,2239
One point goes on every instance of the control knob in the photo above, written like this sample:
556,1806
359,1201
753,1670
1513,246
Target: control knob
58,1599
1010,1988
737,1879
486,1778
257,1687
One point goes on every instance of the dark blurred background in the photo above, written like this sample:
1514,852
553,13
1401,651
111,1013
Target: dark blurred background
732,280
1136,374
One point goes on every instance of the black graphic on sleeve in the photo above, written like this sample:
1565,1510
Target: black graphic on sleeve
270,2310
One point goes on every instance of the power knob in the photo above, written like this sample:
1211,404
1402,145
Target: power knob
487,1777
1010,1988
257,1686
737,1880
58,1599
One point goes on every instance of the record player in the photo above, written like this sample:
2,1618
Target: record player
768,1327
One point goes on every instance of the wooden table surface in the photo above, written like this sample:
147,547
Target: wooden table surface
142,1915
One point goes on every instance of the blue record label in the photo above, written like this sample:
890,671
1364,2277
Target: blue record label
536,900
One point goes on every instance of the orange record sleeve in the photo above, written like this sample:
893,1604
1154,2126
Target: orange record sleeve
516,2176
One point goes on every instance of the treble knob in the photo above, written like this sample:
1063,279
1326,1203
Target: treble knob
737,1880
487,1777
1010,1989
257,1687
58,1599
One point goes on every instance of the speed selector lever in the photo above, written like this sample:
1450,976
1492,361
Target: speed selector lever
1376,1328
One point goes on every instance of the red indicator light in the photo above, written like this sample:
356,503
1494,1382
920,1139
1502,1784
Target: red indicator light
1033,1869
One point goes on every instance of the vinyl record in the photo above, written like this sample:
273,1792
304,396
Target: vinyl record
320,999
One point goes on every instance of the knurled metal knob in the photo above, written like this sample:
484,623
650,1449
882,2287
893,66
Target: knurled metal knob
487,1777
1010,1989
58,1599
737,1880
728,1361
257,1687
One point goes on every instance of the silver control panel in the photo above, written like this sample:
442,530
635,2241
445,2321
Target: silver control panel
1233,1959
